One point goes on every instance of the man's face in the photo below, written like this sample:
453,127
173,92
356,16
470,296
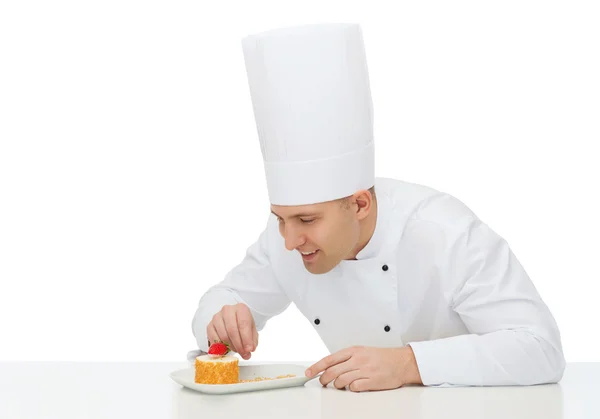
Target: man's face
331,230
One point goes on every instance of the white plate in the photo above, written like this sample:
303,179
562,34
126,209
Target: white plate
185,377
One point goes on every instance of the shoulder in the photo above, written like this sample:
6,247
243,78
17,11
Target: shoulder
424,205
438,226
440,230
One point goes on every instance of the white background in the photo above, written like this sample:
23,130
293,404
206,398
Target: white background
131,178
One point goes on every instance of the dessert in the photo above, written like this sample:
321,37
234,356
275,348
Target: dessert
217,367
216,370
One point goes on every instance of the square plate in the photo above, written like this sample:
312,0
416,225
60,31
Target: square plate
185,377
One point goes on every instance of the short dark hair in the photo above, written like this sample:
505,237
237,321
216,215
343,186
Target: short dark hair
372,190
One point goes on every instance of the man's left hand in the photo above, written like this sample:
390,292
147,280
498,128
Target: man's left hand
363,368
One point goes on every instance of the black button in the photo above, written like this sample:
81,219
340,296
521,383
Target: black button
384,267
317,321
386,328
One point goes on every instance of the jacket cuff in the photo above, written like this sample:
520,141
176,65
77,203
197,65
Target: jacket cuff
446,362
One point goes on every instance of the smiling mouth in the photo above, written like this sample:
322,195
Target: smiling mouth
309,256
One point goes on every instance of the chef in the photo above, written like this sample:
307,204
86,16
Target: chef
403,283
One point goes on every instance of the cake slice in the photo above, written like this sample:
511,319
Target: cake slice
217,367
212,369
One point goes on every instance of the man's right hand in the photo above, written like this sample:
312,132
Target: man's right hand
235,326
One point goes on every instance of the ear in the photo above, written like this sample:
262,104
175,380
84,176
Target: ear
362,203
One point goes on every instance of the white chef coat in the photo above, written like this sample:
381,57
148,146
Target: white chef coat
433,276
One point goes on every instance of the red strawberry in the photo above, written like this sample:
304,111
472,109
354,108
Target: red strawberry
218,348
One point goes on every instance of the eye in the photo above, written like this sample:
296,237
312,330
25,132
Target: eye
307,221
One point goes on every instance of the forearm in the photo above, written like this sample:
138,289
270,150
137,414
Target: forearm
252,282
211,303
506,357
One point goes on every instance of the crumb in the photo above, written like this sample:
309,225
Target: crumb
267,378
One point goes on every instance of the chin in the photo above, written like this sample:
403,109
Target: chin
317,270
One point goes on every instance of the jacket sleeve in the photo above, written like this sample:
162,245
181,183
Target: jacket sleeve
251,282
513,338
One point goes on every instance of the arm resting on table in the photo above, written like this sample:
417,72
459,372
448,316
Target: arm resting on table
513,340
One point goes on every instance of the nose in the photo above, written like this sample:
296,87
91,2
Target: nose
292,239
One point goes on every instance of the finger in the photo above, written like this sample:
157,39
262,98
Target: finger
333,373
245,323
211,333
329,361
232,330
347,378
219,324
362,384
255,338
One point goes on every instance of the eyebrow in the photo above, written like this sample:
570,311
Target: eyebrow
302,214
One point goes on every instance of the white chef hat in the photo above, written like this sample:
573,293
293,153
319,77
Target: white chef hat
312,105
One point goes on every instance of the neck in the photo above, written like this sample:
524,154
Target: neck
367,228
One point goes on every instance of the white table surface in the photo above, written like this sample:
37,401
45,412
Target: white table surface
144,390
